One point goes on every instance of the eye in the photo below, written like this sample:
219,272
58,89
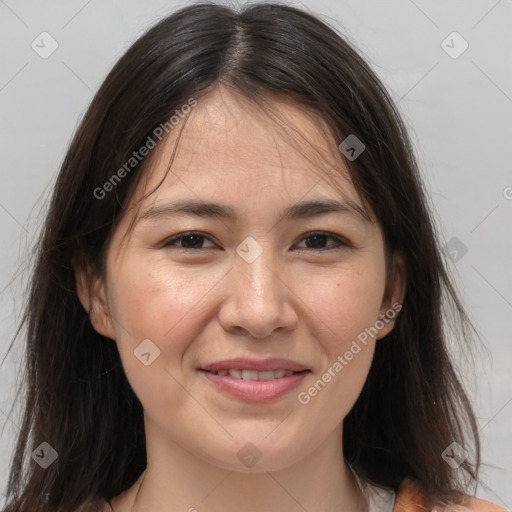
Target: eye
194,241
319,239
188,241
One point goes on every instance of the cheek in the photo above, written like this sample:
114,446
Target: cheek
350,305
348,308
149,302
157,303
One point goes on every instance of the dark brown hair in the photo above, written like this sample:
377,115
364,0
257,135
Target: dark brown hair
77,397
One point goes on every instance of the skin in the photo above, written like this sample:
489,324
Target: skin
293,301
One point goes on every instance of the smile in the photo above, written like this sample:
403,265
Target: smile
255,375
254,386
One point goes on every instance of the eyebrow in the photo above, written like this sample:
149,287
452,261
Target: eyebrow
301,210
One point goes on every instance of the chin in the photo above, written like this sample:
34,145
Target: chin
256,457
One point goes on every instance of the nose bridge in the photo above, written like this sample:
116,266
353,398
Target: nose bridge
255,267
261,277
258,301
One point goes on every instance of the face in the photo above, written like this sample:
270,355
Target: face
185,292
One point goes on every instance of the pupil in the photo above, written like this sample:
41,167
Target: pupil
191,238
316,239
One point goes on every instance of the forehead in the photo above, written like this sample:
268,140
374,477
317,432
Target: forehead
228,143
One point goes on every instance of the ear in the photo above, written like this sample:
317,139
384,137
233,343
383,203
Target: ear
91,293
393,295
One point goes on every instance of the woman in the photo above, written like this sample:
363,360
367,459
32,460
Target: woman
237,298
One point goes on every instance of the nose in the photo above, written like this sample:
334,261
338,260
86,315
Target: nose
258,299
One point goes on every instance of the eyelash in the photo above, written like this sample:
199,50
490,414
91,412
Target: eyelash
340,244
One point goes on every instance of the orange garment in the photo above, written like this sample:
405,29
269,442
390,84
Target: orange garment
410,498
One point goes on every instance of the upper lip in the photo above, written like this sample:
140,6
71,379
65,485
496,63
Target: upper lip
242,363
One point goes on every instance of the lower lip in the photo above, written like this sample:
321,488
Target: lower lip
255,390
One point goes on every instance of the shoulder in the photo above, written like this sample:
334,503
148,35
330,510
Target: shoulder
410,498
95,505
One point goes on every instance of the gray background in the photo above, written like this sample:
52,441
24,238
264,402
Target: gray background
459,111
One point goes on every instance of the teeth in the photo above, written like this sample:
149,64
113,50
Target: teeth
270,375
255,375
235,373
250,375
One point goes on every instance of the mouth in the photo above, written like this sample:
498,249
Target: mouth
254,381
244,374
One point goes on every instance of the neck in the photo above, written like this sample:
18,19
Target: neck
174,479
